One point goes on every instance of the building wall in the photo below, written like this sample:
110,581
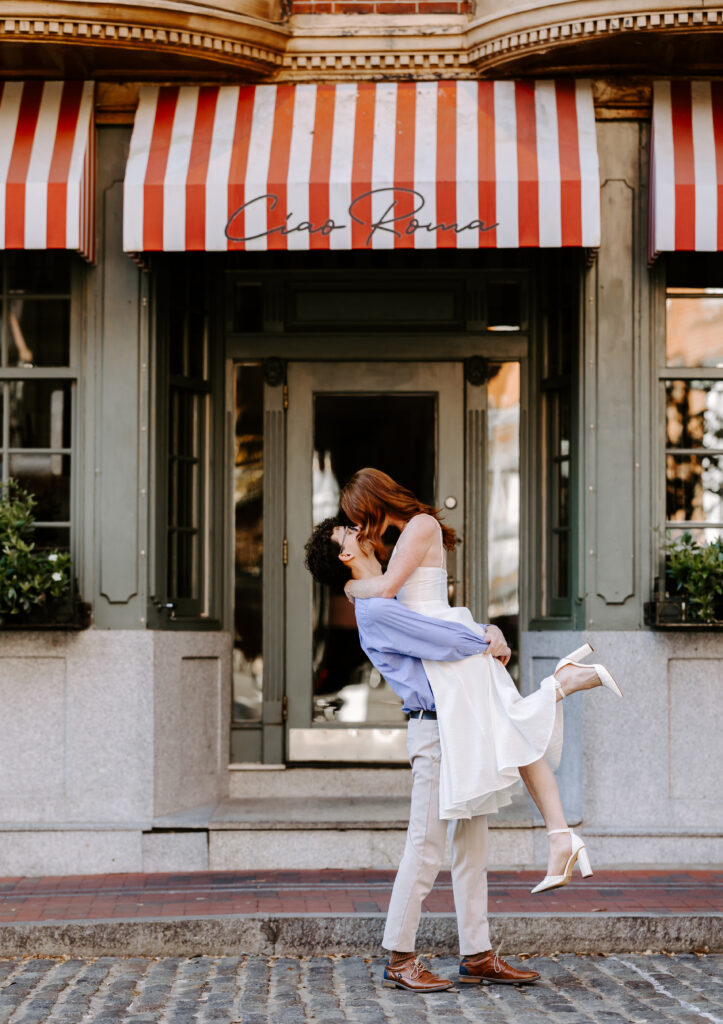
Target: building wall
616,439
645,763
395,7
103,733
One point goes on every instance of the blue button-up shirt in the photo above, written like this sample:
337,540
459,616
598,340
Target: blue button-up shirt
395,638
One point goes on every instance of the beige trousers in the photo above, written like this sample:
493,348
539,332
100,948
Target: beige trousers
424,852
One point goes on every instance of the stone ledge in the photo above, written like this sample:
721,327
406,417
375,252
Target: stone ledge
336,813
313,935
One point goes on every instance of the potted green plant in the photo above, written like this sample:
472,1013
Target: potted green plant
692,591
36,586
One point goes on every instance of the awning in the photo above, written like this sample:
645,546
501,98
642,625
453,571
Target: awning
410,165
687,167
47,173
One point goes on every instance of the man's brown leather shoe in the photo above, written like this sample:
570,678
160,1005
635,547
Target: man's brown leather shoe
490,967
412,974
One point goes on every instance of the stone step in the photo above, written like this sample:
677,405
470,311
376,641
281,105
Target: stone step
317,832
280,813
278,781
339,812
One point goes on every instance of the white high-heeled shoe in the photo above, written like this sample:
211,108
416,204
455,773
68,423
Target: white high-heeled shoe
578,854
602,673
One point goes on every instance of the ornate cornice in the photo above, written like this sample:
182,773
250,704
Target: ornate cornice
489,47
205,33
461,48
248,37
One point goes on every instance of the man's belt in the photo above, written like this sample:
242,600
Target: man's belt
429,715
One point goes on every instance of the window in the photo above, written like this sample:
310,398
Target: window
37,386
248,498
556,432
692,390
185,494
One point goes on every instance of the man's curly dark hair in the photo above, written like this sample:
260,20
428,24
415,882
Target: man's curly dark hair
322,555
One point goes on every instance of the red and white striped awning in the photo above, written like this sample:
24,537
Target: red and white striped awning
363,166
687,167
47,173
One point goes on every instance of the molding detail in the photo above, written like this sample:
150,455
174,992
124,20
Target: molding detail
338,47
492,51
263,57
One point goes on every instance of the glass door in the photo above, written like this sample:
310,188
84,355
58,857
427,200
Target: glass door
408,420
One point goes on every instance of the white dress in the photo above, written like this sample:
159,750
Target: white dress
486,729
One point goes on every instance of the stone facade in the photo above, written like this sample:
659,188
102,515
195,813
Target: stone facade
103,732
114,741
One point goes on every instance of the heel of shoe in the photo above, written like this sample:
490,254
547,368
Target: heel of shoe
389,984
580,653
583,862
574,656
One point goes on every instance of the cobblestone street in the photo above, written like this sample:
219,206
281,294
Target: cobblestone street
640,989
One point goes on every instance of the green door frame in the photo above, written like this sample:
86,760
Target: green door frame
268,743
305,741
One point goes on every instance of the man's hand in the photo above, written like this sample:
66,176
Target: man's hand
497,644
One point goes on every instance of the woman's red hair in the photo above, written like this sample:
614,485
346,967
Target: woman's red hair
370,496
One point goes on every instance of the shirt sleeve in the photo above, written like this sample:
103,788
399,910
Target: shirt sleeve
400,630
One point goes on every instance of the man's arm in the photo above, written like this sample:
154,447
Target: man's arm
390,627
410,551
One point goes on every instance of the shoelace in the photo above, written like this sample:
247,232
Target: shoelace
417,968
496,964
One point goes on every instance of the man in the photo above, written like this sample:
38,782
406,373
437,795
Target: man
395,639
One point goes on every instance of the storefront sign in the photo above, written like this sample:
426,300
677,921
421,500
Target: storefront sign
394,219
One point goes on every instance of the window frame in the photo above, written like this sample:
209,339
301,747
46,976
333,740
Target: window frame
165,610
664,373
561,277
36,374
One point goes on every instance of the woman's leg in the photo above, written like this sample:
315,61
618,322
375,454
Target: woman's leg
542,787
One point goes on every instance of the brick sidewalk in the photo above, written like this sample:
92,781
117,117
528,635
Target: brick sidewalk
210,893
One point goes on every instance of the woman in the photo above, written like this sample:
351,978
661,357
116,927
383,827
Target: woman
476,699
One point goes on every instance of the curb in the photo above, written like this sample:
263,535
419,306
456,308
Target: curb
359,934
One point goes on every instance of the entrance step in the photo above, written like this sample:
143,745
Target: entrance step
258,781
278,813
335,831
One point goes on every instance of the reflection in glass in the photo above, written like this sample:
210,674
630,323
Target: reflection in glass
694,488
38,332
248,478
503,489
694,327
561,561
184,468
39,414
700,534
52,537
247,309
504,306
48,478
694,413
39,273
396,434
432,308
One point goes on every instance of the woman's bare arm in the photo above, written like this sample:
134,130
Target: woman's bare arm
411,551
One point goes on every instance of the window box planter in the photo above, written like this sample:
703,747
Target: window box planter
666,612
70,615
691,594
